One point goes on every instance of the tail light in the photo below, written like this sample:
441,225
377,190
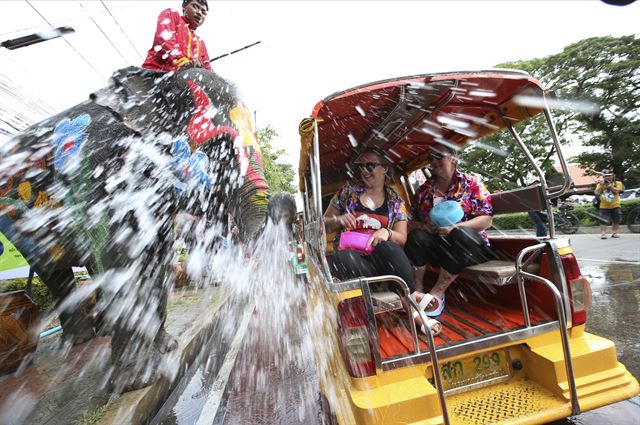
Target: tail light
355,344
300,254
579,289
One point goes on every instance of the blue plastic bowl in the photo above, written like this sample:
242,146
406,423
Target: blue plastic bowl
446,213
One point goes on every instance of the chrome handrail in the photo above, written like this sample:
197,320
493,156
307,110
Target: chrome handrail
364,283
541,178
562,320
564,335
521,291
567,181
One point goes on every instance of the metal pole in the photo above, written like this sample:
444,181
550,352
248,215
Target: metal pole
523,294
234,51
541,178
564,335
563,163
362,282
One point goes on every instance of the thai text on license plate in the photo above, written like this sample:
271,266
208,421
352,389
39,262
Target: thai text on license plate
476,371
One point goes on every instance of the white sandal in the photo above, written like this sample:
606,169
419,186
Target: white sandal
435,311
436,327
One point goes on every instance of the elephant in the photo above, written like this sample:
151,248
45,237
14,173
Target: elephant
101,184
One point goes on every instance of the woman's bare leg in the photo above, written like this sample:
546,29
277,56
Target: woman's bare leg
418,276
445,279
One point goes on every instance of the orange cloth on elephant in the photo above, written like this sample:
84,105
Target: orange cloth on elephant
175,44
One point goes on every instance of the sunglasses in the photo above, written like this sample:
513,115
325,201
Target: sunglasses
369,166
437,156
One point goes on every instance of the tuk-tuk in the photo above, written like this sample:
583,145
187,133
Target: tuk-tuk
513,347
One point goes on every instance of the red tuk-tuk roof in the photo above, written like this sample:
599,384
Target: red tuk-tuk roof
405,116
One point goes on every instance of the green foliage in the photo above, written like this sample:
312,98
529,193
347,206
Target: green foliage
41,295
502,163
279,176
586,213
93,417
604,71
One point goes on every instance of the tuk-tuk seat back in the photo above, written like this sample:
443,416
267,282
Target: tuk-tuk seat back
523,199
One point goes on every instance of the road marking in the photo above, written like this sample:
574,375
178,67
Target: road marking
593,260
212,404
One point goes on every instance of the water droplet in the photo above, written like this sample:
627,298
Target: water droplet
166,35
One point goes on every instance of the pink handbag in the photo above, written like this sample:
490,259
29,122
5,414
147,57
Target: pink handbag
356,240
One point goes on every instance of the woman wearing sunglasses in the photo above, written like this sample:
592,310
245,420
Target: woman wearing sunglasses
451,248
371,207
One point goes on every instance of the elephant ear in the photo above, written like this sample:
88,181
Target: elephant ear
135,95
201,102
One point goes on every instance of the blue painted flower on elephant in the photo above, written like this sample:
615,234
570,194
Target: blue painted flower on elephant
69,136
191,169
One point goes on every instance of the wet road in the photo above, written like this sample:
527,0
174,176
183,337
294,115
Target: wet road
251,376
258,368
613,269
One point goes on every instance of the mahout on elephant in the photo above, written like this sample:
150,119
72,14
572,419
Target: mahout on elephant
101,184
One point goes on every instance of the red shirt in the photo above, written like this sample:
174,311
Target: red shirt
175,44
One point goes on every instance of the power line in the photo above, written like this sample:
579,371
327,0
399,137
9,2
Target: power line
41,103
20,30
69,19
67,41
105,35
122,30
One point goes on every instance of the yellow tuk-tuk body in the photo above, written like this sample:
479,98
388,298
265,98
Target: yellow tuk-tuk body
513,348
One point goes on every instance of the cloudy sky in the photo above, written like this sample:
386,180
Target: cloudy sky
309,49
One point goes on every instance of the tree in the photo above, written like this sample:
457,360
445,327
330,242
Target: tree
502,163
279,176
605,73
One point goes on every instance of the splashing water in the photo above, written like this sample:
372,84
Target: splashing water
273,378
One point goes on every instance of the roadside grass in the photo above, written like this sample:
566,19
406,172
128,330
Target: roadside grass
92,417
42,297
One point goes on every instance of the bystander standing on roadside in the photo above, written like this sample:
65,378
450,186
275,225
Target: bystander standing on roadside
608,192
540,220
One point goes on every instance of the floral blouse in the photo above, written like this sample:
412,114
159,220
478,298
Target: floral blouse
470,193
347,198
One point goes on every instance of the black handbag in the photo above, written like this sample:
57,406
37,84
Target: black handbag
596,202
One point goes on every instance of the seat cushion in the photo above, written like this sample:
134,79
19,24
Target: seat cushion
495,272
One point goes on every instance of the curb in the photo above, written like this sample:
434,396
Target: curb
139,407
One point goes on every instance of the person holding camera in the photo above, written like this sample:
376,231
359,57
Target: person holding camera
608,192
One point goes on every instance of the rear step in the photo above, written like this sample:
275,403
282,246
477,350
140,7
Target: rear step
509,402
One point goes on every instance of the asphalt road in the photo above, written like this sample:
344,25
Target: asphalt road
612,266
589,248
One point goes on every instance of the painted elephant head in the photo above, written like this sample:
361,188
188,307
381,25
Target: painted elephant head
101,183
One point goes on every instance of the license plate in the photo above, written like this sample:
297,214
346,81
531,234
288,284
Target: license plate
475,371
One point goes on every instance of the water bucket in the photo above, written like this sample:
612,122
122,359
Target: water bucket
446,213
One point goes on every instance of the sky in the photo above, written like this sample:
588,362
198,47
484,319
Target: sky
309,49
